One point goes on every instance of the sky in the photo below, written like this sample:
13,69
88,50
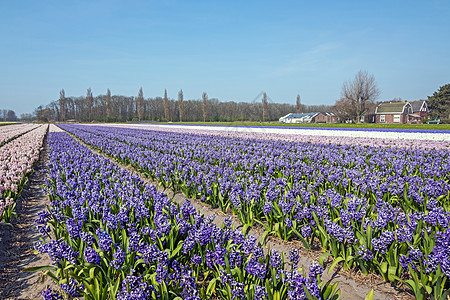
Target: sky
232,50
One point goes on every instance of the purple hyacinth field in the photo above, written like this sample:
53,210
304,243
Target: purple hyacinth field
364,205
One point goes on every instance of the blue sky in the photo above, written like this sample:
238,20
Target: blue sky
232,50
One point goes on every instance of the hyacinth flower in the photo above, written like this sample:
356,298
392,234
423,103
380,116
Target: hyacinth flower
119,238
359,201
8,133
18,155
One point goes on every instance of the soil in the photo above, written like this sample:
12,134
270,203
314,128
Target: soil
17,242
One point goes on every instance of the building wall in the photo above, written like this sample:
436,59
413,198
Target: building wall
320,118
423,114
392,118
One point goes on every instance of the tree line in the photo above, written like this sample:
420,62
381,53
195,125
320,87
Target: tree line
357,101
7,115
117,108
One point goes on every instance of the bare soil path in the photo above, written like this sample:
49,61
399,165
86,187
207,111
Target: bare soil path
17,242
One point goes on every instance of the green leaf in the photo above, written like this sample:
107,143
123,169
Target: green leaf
428,289
335,262
322,258
40,268
392,270
384,267
211,288
138,262
369,296
177,249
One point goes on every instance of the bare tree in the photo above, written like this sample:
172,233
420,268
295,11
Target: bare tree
140,104
265,105
89,100
344,110
359,92
298,105
180,104
108,104
166,106
62,105
205,106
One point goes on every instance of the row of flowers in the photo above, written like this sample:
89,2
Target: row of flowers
407,140
17,158
9,132
306,128
112,236
382,210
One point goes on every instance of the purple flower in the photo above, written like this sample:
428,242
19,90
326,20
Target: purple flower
306,231
48,294
260,292
255,268
275,259
91,256
267,208
294,257
383,242
73,228
315,270
196,259
104,240
119,258
73,288
365,254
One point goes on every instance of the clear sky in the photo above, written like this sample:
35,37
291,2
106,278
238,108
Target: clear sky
232,50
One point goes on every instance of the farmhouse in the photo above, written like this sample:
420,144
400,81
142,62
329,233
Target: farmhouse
397,113
316,117
325,117
420,108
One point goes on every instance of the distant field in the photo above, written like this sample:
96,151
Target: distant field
382,126
6,123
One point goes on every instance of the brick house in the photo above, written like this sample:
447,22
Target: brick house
420,108
325,117
393,112
400,113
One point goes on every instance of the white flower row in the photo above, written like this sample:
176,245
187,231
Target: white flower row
7,132
17,158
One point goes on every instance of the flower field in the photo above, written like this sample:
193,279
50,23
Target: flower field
17,157
112,236
405,139
382,210
9,132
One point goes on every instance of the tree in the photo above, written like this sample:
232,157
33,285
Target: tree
62,105
108,104
298,105
11,116
166,105
27,117
140,104
180,104
42,114
343,110
205,106
265,105
89,100
439,103
359,92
